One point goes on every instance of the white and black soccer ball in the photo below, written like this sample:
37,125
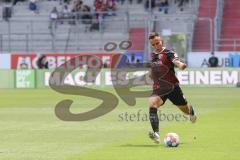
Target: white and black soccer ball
171,140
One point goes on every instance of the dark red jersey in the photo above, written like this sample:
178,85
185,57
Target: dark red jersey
163,68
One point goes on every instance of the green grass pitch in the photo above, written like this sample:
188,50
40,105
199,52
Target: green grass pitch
29,129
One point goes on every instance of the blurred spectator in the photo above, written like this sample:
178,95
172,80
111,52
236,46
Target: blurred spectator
111,6
6,12
65,13
138,63
15,1
65,1
86,17
53,18
77,6
132,58
95,24
86,8
23,65
181,3
104,9
163,6
147,3
42,62
33,6
213,61
106,63
98,5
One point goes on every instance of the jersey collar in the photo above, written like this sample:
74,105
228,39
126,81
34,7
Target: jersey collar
163,48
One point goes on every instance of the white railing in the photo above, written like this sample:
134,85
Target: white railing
218,22
234,44
30,35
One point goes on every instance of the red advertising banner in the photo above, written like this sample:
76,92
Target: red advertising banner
29,61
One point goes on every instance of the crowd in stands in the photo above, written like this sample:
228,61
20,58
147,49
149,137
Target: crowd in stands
110,5
181,3
75,11
33,6
101,8
92,17
163,5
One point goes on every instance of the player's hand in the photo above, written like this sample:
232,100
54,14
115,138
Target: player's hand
180,64
183,66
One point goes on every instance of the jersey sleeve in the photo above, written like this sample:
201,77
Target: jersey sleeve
172,56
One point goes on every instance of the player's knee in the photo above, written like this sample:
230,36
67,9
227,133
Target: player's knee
155,101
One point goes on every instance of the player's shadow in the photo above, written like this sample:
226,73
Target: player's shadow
139,145
146,145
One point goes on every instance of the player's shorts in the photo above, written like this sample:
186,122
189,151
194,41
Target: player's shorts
175,96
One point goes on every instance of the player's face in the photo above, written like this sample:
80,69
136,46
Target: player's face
157,43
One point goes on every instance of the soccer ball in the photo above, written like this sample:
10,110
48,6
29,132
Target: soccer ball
171,140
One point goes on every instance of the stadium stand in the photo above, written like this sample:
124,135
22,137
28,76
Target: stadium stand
230,35
202,32
28,31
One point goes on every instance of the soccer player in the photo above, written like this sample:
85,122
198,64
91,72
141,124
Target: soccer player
168,59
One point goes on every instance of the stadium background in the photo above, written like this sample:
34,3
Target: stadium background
196,30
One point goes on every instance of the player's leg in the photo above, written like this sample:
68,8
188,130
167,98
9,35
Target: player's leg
154,103
188,109
178,99
184,108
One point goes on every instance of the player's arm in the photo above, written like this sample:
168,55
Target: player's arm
179,64
176,60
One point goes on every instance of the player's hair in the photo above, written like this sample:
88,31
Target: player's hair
152,35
